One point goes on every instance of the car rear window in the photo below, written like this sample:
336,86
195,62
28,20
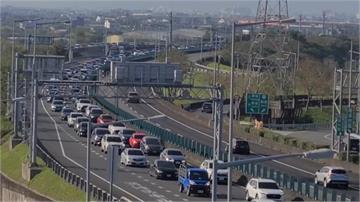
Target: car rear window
133,94
166,164
135,152
128,132
338,171
107,117
175,153
58,102
152,141
114,139
84,101
139,136
96,111
102,131
119,124
76,115
67,110
268,185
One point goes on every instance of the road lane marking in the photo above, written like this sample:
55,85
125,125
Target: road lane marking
168,191
176,195
78,164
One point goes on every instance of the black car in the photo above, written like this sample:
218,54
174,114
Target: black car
82,131
240,147
162,169
206,107
151,145
65,113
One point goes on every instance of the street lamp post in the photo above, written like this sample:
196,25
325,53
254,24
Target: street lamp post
229,187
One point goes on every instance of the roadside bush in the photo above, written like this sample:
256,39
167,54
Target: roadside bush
261,133
287,140
304,145
275,138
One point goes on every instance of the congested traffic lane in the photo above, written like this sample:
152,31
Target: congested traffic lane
62,142
298,167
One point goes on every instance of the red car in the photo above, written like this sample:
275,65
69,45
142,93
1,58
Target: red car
135,139
104,118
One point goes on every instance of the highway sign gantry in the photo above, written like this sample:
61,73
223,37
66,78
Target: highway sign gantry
257,103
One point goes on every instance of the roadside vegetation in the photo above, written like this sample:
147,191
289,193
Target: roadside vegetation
46,182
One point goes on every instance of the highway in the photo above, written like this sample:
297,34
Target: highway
135,183
187,126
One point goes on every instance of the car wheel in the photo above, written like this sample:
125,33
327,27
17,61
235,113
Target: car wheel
102,150
188,193
256,197
247,197
105,151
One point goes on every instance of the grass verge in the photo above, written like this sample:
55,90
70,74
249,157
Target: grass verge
46,183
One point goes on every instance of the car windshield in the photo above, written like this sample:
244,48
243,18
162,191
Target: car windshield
139,136
268,185
133,94
242,143
84,124
166,164
198,175
174,153
57,102
102,131
338,171
207,104
114,139
153,141
118,124
135,152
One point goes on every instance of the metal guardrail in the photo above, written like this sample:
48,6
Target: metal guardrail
96,193
304,126
292,183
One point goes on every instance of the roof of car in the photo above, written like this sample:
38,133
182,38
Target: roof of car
263,180
173,149
334,167
109,135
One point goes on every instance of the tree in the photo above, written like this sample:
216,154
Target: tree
312,76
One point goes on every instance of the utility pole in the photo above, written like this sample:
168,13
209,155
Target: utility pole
8,104
229,191
349,110
201,49
88,163
34,128
16,104
12,67
170,29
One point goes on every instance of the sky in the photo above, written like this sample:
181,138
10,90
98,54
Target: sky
296,7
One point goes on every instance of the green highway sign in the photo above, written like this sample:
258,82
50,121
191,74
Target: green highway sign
257,103
345,122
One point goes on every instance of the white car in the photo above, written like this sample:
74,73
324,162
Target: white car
133,157
263,189
72,117
222,174
174,155
88,109
331,175
81,102
57,105
116,127
111,140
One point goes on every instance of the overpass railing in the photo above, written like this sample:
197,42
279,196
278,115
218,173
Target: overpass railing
292,183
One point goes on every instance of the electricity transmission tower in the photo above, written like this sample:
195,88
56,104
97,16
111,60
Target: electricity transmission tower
268,60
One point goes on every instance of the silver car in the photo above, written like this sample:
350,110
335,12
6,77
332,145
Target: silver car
133,157
174,155
331,175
